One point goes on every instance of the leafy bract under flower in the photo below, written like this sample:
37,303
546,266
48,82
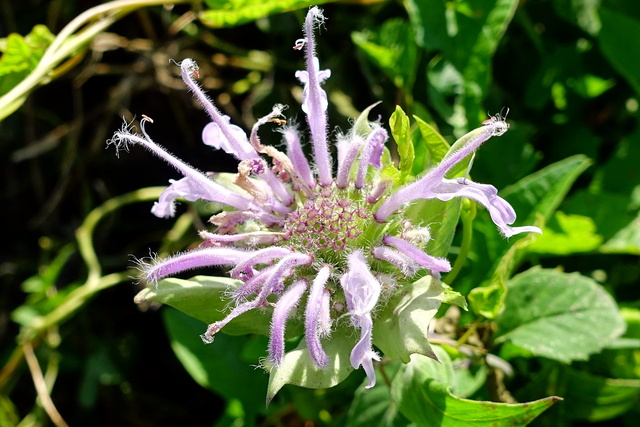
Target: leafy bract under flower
336,253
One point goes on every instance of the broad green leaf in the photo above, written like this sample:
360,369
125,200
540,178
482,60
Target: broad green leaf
594,398
21,55
205,298
401,328
620,44
557,315
422,395
488,300
298,368
227,13
220,366
542,191
567,234
401,132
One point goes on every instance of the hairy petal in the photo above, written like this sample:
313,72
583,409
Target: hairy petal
502,213
362,291
421,188
262,256
403,262
285,304
223,135
434,264
371,154
271,284
298,159
314,99
313,317
207,257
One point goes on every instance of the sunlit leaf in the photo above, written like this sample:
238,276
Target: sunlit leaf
401,132
401,329
558,315
298,368
227,13
420,389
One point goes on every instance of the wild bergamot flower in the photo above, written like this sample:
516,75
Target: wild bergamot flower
325,241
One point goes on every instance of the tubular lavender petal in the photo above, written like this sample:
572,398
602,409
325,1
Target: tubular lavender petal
239,147
281,313
313,316
193,259
315,102
434,264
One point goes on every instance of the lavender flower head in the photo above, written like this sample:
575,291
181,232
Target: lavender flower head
327,248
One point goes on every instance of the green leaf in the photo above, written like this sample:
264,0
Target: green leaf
227,13
420,391
487,300
205,298
466,33
373,407
21,55
442,218
620,44
557,315
567,234
298,368
401,328
542,191
392,49
437,146
625,241
401,132
594,398
220,366
453,297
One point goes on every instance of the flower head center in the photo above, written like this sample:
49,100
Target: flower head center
328,223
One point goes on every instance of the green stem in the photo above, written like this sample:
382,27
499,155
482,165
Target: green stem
68,42
466,216
95,281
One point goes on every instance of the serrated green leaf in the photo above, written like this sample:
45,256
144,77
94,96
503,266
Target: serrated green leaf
401,328
560,316
298,368
228,13
205,298
218,366
401,132
420,390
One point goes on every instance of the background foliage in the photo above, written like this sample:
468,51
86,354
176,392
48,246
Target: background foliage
569,325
